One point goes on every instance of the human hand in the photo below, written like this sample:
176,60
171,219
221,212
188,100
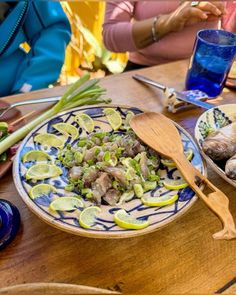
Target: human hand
186,15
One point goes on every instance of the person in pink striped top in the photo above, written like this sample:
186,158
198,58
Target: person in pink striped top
155,32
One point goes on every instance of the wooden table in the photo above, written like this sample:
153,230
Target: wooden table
180,258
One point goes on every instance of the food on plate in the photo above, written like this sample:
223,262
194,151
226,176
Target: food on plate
36,156
88,216
125,220
48,140
66,204
105,165
170,163
43,171
175,184
230,167
221,144
160,200
67,130
85,122
99,168
41,189
114,118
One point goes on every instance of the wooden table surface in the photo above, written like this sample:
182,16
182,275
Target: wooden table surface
180,258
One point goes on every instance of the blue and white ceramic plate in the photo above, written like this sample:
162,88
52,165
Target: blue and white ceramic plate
215,118
104,227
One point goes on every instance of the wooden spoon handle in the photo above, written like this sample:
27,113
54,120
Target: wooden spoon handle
217,201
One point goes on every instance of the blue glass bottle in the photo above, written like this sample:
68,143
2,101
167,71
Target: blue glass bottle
212,58
9,222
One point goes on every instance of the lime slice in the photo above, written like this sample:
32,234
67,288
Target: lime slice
159,201
42,171
85,122
113,117
40,190
170,163
47,139
66,204
125,220
175,184
67,129
88,216
128,118
36,156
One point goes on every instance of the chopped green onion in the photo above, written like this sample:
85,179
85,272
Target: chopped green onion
107,156
78,157
90,162
100,135
152,177
119,152
149,185
138,189
82,142
82,92
87,192
69,187
115,184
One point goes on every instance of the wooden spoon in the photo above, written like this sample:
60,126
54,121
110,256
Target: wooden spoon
160,133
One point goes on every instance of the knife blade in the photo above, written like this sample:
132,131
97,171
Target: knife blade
179,95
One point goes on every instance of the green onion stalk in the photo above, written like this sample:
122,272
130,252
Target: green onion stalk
82,92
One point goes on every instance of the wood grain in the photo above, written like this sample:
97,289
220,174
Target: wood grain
181,258
53,288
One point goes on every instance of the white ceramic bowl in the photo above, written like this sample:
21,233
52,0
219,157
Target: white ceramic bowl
216,118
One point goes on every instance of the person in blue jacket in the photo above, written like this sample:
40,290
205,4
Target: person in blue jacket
45,27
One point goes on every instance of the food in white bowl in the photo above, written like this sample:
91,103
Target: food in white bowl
215,132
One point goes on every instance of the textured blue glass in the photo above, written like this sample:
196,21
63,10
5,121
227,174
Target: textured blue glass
9,222
212,58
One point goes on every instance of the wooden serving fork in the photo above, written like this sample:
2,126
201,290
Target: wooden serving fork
158,132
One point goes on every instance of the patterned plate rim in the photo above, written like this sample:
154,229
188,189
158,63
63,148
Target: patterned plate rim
86,232
208,160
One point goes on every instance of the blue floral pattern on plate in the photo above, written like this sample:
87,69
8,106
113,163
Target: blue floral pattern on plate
104,227
209,121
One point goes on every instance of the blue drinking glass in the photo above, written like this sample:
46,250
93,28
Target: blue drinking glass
213,55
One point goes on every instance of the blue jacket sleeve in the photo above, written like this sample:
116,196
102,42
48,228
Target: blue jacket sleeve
48,31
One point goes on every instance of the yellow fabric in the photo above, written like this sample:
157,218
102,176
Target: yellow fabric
91,15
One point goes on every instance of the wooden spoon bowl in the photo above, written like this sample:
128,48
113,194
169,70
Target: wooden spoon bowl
158,132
